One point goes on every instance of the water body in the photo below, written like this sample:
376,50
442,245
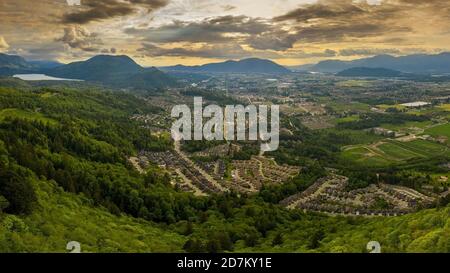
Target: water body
41,77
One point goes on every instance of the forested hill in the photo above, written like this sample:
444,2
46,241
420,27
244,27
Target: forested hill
112,71
117,71
252,65
64,177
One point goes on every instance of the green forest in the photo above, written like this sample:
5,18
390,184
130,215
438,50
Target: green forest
64,176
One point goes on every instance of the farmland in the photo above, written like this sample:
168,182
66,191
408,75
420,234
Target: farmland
443,130
391,152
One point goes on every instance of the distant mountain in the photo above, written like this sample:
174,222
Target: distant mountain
301,68
117,71
419,63
98,68
252,65
11,64
45,64
371,72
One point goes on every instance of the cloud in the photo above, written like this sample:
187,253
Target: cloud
46,51
342,20
258,33
325,9
3,44
228,7
223,51
277,40
95,10
218,29
213,30
79,37
368,51
326,53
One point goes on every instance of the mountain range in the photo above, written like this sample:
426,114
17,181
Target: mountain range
124,72
116,71
10,64
418,63
372,72
252,65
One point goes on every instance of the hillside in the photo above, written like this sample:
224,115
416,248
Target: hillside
65,177
11,64
252,65
419,63
76,219
117,71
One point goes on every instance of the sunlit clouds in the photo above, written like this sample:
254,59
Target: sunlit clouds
167,32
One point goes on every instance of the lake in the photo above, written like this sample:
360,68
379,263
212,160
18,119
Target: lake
41,77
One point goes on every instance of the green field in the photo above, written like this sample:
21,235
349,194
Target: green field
345,107
425,148
346,119
398,152
445,107
442,130
407,125
355,136
365,156
392,152
387,106
355,83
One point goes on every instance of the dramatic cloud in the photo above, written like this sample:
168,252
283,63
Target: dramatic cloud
257,33
339,20
326,9
95,10
227,51
277,40
80,38
212,30
223,51
165,31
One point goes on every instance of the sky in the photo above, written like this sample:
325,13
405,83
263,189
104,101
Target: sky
192,32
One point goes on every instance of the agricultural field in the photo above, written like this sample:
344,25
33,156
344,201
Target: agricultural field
355,83
349,107
445,107
355,136
346,119
392,152
442,130
408,126
387,106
